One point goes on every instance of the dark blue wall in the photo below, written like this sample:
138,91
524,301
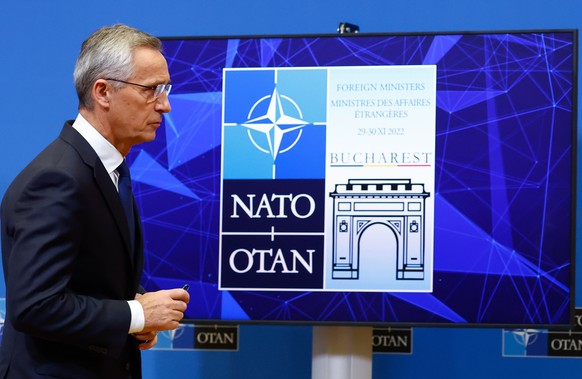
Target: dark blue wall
39,41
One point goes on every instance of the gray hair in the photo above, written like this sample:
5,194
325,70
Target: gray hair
108,53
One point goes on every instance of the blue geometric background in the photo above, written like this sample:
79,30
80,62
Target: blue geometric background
504,179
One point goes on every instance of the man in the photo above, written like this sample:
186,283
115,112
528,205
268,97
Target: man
74,306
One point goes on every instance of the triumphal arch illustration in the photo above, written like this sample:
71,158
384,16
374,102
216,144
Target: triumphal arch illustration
398,204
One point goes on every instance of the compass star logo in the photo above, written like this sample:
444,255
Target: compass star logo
526,337
173,335
275,124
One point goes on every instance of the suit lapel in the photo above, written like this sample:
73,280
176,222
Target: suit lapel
103,180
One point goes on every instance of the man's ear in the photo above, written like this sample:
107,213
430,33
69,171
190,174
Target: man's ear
101,93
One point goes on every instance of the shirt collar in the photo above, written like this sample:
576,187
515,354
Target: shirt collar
108,154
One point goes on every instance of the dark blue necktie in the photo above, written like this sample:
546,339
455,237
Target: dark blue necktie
126,195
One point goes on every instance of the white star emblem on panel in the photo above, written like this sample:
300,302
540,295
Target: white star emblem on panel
275,124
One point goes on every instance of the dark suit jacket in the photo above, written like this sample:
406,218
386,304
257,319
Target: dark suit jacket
68,269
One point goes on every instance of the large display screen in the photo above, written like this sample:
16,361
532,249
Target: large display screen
371,179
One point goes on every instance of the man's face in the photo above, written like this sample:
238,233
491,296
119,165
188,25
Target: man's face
134,115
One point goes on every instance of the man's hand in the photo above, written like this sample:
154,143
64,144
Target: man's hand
150,339
163,309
